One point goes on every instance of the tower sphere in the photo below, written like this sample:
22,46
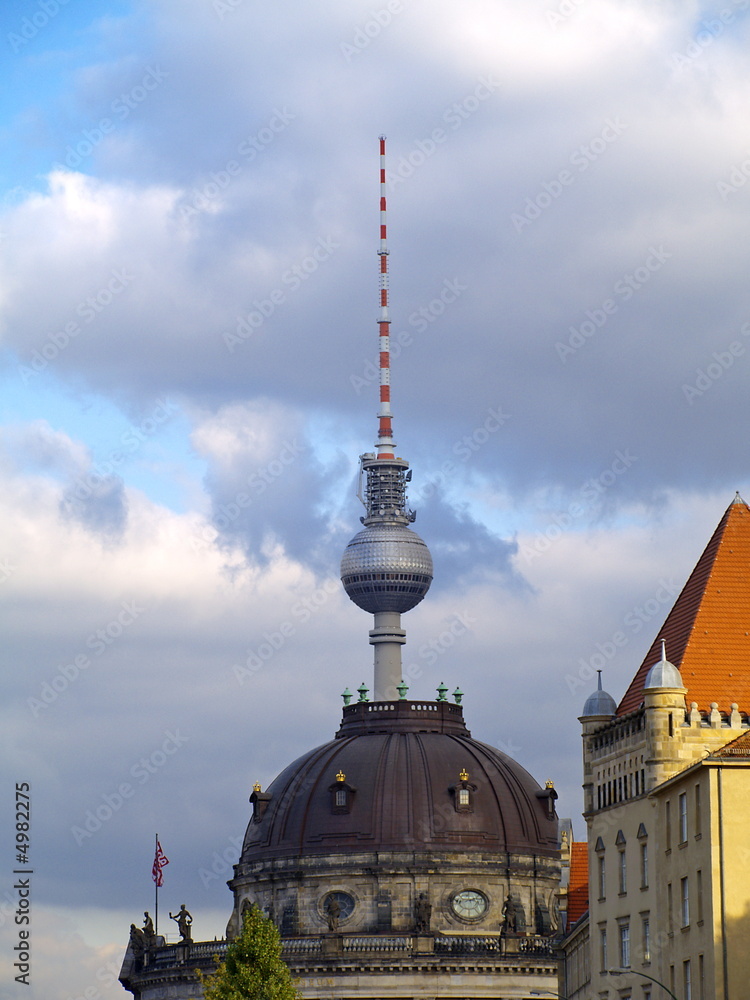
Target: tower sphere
386,567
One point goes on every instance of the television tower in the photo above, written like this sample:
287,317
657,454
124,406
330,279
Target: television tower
386,568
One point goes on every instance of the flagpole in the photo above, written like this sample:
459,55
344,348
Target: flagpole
156,890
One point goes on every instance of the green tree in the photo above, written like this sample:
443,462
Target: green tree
253,969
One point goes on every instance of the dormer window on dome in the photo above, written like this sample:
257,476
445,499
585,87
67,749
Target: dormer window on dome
549,796
463,793
259,801
342,794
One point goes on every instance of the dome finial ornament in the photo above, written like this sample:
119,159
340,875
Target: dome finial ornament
386,568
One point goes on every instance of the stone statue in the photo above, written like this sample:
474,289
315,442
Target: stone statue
422,914
509,915
148,929
137,940
184,920
333,912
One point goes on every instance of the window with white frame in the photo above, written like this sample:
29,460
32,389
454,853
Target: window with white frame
646,937
684,902
603,959
644,864
682,817
687,980
624,945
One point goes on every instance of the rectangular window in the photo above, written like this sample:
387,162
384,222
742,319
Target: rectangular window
670,912
682,814
699,893
701,978
687,980
623,872
644,864
668,825
463,796
684,902
602,878
697,810
646,938
624,946
604,962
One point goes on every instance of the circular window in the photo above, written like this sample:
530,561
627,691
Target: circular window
337,906
469,904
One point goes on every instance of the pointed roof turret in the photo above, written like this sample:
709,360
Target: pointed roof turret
708,629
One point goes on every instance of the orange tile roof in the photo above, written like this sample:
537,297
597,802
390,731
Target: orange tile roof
707,632
738,747
578,886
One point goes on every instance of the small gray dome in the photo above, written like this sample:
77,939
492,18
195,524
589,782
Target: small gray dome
599,703
663,674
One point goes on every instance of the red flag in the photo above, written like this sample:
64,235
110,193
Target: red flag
160,859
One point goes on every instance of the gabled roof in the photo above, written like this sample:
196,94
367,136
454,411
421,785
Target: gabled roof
707,632
578,886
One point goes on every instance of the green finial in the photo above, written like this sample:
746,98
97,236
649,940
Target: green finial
347,695
458,695
442,688
402,688
362,691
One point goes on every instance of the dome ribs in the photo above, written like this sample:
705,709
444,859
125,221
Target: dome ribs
404,763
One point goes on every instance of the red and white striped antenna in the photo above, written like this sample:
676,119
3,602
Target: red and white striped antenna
385,443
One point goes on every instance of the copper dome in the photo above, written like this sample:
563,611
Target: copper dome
398,768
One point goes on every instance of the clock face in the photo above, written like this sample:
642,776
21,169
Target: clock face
469,904
345,904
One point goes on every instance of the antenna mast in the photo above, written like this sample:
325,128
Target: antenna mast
385,444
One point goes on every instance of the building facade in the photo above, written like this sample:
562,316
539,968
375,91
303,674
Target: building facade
664,777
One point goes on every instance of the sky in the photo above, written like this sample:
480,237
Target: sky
188,311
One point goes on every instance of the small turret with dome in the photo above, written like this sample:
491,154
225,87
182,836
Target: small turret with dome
663,674
599,704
